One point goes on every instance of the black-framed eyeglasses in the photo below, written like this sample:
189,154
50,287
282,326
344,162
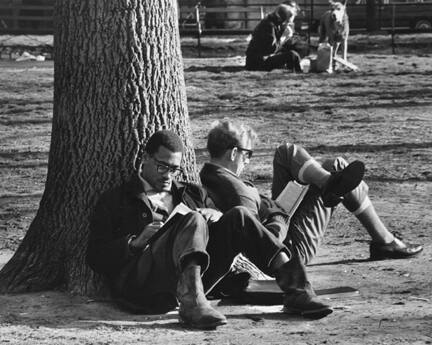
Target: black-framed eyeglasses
163,168
248,153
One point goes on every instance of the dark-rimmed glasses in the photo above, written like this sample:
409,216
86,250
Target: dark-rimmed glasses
163,168
248,153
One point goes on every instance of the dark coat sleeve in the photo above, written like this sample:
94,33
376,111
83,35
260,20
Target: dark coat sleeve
264,40
107,250
228,191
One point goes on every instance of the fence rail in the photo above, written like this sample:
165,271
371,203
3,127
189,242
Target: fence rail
406,17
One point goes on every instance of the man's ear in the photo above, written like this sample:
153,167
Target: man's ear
233,153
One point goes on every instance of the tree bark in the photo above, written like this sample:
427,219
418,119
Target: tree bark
118,77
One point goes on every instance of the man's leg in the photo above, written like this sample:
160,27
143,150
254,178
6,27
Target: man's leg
171,267
238,231
286,59
309,222
292,162
384,244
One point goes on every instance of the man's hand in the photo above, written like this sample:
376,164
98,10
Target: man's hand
210,214
141,240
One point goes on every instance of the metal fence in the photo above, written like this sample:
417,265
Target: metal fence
17,17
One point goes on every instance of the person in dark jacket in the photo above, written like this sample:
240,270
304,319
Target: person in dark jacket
273,43
302,231
151,263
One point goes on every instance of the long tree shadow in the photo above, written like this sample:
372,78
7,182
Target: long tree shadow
340,262
215,69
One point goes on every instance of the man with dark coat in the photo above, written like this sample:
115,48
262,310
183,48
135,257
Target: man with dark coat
330,183
152,263
273,44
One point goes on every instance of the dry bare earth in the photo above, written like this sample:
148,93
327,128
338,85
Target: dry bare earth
382,115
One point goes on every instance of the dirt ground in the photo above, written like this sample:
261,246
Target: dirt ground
381,115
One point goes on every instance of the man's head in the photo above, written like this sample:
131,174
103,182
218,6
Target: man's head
286,12
230,145
162,159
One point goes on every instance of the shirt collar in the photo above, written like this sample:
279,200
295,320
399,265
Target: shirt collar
223,168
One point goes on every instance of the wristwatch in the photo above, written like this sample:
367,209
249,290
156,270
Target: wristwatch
132,249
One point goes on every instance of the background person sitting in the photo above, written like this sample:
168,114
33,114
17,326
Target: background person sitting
274,43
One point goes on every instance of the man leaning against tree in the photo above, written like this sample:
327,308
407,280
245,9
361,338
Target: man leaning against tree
328,183
153,265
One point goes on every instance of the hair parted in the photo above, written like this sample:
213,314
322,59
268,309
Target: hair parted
225,135
166,138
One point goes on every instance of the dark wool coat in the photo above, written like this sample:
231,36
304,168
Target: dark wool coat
125,211
228,190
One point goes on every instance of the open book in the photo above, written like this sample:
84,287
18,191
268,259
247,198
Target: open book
292,195
178,211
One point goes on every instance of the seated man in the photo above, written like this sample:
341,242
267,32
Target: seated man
230,148
273,44
150,268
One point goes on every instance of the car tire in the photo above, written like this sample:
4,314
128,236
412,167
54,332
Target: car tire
423,24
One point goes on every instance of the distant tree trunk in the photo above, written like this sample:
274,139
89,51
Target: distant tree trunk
371,15
118,78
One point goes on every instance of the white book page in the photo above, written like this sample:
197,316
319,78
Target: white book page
291,196
180,208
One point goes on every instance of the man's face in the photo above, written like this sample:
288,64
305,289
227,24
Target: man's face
242,156
158,169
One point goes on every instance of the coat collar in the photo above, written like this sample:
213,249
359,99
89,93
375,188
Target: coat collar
136,189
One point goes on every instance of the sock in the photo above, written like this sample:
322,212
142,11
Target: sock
313,173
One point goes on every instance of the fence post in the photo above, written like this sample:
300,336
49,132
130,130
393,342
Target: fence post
198,25
393,29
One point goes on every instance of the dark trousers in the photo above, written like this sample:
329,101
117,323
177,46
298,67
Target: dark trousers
310,221
239,231
287,59
152,281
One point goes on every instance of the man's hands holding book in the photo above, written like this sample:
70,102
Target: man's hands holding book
140,241
210,214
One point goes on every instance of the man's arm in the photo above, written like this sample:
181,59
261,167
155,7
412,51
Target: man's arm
108,248
266,39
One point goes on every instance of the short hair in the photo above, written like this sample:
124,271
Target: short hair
165,138
225,135
285,11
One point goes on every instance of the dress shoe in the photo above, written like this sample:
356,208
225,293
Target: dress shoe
342,182
306,304
299,297
394,250
195,310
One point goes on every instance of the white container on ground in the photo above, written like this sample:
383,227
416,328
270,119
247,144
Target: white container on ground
324,62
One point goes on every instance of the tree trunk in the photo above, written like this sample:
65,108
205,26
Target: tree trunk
118,77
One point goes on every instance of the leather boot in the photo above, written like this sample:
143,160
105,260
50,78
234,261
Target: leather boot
299,297
195,311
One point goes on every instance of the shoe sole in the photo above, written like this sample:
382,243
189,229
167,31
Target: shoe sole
209,326
350,178
314,314
394,255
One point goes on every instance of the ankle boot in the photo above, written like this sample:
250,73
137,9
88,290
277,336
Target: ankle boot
299,297
195,311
